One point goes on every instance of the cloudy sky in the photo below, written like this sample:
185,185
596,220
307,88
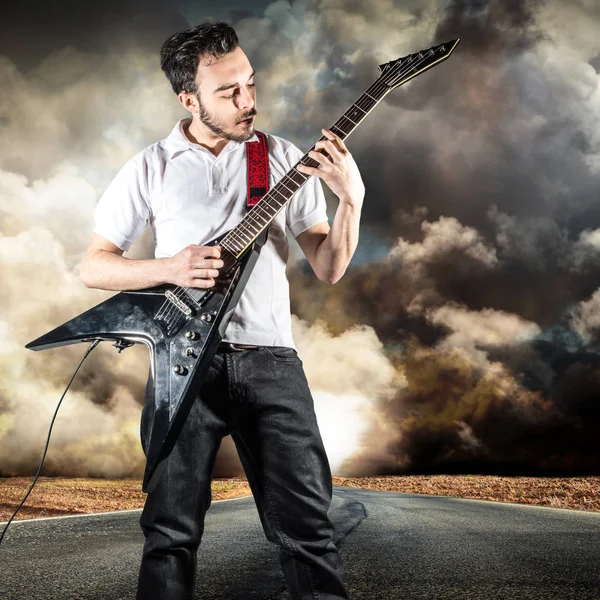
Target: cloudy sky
464,335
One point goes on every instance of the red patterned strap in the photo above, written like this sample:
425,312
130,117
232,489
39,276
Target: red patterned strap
257,154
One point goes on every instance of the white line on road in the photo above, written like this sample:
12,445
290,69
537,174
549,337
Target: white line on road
114,512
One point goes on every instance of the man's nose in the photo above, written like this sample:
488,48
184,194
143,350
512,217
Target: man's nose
245,99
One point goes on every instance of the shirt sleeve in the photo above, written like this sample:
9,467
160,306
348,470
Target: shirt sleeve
123,210
307,206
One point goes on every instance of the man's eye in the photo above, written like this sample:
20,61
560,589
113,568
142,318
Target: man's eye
232,95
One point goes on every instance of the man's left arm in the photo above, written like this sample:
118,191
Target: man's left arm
329,250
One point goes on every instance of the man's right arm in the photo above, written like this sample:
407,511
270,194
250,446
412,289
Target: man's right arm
104,266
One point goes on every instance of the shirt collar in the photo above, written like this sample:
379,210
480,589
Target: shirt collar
176,142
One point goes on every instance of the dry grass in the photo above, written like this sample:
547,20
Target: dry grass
580,493
56,496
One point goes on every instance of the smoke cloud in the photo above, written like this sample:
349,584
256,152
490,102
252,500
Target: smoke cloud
464,335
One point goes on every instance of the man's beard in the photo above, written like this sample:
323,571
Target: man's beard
219,128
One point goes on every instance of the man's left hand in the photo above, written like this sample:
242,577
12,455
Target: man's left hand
338,170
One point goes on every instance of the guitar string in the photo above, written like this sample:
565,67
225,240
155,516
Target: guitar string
378,87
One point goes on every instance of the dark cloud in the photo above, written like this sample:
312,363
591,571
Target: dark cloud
30,31
503,138
482,180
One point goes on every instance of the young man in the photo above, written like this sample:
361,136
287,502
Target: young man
191,187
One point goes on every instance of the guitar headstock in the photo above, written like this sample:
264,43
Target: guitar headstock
401,70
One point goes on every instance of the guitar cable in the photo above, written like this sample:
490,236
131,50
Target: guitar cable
87,352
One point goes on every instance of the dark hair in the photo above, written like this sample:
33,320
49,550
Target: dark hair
182,52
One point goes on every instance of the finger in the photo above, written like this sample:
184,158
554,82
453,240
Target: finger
210,264
320,158
205,273
335,138
331,149
202,283
309,170
210,251
200,263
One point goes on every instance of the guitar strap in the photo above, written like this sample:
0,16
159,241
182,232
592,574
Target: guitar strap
257,155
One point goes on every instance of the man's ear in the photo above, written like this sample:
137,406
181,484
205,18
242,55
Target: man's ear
188,101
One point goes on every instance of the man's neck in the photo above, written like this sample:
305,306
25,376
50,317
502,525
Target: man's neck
200,134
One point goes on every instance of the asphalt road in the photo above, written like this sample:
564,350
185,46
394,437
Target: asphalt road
394,546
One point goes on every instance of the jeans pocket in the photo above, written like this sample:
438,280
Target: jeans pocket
282,353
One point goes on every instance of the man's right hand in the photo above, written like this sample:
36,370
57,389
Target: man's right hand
196,266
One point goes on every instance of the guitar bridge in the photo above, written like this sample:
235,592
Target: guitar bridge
179,303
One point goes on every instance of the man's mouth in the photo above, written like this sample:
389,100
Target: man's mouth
248,120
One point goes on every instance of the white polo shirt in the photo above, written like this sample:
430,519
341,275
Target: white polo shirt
190,196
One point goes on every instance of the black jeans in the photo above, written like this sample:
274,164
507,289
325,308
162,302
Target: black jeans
261,397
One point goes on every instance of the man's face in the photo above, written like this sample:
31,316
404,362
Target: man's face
226,96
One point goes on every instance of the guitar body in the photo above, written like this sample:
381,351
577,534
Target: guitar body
182,334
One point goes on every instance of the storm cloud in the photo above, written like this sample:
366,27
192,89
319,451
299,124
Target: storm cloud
465,333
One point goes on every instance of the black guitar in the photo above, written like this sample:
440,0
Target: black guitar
182,326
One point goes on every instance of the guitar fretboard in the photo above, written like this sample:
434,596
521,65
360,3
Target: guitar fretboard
263,213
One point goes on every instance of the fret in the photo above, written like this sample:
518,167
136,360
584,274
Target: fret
262,207
302,176
293,174
261,225
246,231
276,191
229,243
349,119
366,103
234,233
343,127
231,247
230,239
259,219
369,95
240,242
310,162
255,225
239,234
338,131
286,187
276,203
258,207
290,180
355,106
248,225
254,214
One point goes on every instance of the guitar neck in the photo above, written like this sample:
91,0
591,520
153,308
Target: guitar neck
262,214
393,74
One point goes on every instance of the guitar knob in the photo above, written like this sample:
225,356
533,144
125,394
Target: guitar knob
190,352
179,370
191,335
206,317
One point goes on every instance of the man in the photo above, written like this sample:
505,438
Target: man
191,187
